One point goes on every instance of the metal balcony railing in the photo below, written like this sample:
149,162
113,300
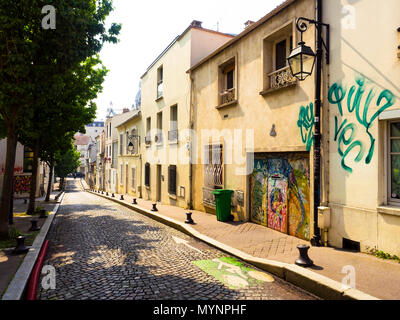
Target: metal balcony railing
281,78
227,95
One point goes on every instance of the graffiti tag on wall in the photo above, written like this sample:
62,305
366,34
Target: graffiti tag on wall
306,124
357,101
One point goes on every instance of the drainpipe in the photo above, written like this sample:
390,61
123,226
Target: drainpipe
191,125
316,240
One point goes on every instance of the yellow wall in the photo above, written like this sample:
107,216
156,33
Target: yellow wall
130,160
189,48
253,111
364,45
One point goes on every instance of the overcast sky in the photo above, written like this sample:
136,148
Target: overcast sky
148,26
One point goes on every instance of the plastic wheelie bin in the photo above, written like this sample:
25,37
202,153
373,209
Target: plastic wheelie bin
223,204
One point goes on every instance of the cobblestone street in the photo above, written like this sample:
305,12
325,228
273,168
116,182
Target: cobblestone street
101,250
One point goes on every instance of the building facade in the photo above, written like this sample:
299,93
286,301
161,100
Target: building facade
111,149
165,105
364,122
130,132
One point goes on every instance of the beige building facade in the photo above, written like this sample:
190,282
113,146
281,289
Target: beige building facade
130,132
364,124
246,109
165,106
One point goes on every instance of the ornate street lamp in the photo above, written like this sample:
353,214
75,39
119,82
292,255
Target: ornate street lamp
301,62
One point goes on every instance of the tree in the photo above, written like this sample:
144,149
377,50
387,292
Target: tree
60,114
80,34
66,162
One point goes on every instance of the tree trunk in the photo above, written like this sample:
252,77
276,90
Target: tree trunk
7,183
32,192
50,181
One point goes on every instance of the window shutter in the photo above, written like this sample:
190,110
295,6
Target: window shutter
147,175
172,179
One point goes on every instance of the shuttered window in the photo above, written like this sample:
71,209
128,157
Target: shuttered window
147,175
172,179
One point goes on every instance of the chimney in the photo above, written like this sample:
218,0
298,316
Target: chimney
248,23
125,110
196,23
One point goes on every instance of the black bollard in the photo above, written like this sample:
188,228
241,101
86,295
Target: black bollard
107,193
189,219
34,226
20,248
42,214
113,195
304,260
122,197
102,192
154,207
134,201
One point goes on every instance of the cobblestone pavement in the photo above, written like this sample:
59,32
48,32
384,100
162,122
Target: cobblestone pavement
101,250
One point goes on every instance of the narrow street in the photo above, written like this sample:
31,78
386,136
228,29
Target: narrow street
101,250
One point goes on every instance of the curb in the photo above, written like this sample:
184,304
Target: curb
308,280
18,284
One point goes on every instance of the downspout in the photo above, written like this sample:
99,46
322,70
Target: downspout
191,126
316,240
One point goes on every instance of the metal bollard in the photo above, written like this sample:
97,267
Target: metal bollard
122,197
154,207
134,201
107,193
189,219
304,260
20,247
113,195
34,226
42,214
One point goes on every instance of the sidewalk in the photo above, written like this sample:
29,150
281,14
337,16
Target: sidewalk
9,263
376,277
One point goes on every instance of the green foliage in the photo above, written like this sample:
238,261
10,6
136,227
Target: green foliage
67,162
13,233
386,256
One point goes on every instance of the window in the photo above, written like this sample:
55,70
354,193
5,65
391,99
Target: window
121,175
394,161
147,175
133,178
127,143
28,159
147,139
160,76
276,48
172,180
158,137
121,140
173,133
213,172
280,55
227,82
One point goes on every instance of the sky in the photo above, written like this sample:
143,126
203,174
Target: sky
148,26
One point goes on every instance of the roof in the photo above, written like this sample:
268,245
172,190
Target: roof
245,32
81,140
133,114
191,26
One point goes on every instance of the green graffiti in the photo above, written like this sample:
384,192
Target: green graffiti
306,125
337,95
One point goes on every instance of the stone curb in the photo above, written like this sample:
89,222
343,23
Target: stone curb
18,284
306,279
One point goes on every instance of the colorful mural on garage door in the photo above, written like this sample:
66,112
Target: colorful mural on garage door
280,193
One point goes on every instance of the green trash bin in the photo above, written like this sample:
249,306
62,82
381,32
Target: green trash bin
223,204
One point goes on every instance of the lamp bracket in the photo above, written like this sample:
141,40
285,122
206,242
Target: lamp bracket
302,26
